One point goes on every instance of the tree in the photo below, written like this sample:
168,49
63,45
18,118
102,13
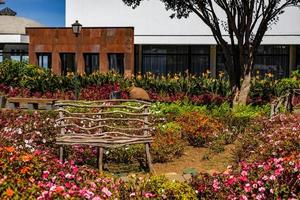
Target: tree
246,24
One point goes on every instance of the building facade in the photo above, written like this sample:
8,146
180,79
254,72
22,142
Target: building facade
94,49
164,45
13,40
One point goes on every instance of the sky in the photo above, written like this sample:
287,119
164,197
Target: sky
46,12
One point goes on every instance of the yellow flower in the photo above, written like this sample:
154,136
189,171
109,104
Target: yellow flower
221,74
270,75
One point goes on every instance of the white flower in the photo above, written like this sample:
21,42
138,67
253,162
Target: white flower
44,140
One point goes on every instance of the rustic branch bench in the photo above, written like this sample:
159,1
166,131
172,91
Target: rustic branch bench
104,124
30,103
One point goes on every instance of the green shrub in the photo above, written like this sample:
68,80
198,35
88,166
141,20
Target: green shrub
158,187
284,85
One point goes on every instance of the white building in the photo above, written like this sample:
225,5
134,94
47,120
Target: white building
172,45
13,40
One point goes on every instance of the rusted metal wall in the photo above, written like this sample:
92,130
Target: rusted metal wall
100,40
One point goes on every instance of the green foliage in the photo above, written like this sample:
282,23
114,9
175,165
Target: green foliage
285,85
160,186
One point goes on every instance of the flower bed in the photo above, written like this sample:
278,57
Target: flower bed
275,178
266,151
21,79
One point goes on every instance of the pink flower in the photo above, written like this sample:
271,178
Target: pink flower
272,177
75,170
106,191
149,195
244,173
132,194
230,181
262,189
260,183
278,171
216,185
265,178
45,174
243,197
244,178
69,176
96,198
247,188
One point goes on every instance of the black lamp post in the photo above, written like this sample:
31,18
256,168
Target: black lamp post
76,27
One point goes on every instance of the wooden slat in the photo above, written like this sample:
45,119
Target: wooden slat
85,124
104,113
103,126
30,100
104,101
102,106
104,119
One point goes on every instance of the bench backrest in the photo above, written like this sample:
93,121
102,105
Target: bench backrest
107,123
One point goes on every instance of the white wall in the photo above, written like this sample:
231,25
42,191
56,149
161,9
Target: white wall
10,38
151,21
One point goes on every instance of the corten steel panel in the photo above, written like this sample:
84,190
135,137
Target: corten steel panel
91,40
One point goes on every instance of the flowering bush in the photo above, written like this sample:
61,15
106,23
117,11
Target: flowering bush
275,178
39,175
278,136
21,79
198,128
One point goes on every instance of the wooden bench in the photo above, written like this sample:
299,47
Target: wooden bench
30,103
104,124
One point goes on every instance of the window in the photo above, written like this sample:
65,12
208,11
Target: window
165,59
272,59
15,55
67,63
91,61
1,55
200,59
116,62
44,60
268,59
298,57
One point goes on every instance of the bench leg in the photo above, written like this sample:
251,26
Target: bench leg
148,158
61,154
100,159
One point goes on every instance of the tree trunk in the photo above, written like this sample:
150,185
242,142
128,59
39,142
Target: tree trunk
241,95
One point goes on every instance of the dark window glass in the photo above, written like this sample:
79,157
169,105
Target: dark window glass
44,60
298,57
116,62
268,59
67,63
91,61
165,59
136,59
1,55
272,59
199,63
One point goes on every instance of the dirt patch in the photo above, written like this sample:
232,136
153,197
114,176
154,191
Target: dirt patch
193,158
